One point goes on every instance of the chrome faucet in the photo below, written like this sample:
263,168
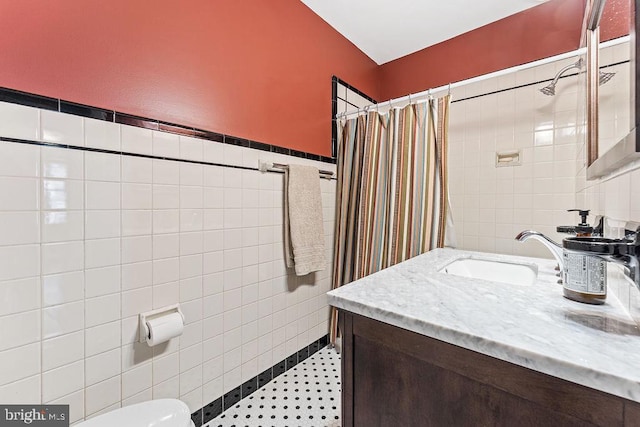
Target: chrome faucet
555,248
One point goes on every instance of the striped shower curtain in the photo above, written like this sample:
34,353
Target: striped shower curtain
391,191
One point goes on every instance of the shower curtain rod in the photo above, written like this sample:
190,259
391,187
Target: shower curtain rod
426,93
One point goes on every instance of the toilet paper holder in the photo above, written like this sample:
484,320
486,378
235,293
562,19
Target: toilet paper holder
149,315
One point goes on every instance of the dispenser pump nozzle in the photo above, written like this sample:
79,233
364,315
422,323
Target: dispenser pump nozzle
583,215
582,229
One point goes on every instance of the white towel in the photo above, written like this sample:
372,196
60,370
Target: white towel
303,228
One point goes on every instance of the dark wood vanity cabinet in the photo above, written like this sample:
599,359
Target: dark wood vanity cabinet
392,377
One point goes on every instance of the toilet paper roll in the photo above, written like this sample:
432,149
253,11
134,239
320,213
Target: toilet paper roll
164,328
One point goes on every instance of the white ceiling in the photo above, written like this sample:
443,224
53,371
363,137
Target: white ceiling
386,30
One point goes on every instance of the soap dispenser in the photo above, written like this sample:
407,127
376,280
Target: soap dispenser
584,277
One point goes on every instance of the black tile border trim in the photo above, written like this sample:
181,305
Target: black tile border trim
124,153
208,412
352,88
62,106
334,109
232,397
29,99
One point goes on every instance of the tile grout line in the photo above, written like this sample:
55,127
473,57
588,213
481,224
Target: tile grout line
40,275
119,266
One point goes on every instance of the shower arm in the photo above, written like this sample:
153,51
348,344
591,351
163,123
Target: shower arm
579,64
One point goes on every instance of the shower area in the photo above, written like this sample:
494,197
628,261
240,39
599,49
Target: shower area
515,157
535,117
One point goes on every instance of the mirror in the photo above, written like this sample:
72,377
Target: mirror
614,101
591,37
611,104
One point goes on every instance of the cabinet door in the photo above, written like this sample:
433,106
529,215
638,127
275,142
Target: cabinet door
394,377
395,389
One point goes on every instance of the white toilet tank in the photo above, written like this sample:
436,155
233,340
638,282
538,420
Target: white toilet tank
153,413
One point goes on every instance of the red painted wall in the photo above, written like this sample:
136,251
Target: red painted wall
540,32
615,19
253,69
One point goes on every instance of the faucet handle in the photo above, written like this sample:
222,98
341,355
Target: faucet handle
632,231
598,226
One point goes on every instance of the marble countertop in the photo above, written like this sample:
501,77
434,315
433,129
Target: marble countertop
529,325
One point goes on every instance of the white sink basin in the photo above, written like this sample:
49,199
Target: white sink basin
494,271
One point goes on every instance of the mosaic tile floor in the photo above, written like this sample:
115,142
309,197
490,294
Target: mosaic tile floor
306,396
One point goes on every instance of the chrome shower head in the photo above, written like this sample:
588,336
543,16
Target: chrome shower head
605,77
549,90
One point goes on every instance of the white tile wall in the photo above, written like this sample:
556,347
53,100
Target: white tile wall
88,240
61,128
490,204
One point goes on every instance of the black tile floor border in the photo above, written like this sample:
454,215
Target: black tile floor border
265,377
303,354
230,398
249,387
279,368
308,395
292,361
54,104
211,411
196,417
324,341
314,348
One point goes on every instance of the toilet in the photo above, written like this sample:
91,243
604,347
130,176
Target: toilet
153,413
